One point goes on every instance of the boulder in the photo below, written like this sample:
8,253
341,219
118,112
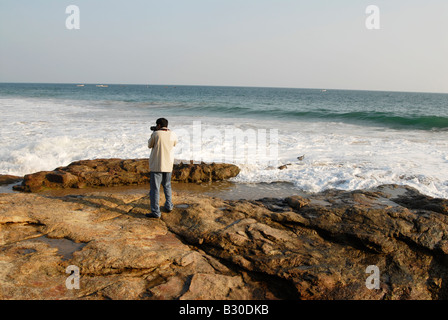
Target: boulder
119,172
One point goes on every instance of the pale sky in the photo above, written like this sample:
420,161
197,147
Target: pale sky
265,43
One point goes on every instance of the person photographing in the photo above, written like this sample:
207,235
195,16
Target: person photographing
161,162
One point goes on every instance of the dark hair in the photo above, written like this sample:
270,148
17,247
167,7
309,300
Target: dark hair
162,122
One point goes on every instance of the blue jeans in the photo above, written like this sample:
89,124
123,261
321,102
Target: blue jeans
157,178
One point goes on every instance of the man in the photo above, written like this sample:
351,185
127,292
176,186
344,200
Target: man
161,161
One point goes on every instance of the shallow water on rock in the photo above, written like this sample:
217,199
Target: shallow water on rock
226,190
65,246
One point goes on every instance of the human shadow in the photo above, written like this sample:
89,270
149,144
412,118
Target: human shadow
135,208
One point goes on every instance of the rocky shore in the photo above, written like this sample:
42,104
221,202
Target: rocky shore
317,246
120,172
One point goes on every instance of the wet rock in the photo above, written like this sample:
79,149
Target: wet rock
119,172
9,179
123,255
324,243
315,246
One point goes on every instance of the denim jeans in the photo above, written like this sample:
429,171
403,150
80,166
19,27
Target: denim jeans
157,178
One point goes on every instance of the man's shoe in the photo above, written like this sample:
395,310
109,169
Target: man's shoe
168,210
152,215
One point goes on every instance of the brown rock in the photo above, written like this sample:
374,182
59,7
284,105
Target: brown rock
297,202
121,254
317,247
118,172
205,286
323,245
8,179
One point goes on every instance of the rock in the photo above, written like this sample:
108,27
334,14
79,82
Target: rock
125,255
8,179
205,286
297,202
119,172
316,246
321,247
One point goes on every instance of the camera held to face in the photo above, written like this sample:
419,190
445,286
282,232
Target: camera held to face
162,124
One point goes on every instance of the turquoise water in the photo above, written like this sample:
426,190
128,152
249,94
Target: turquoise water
349,139
399,110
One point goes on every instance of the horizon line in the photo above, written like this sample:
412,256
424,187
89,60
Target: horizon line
223,86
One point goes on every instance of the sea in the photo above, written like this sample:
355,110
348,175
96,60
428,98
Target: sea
309,139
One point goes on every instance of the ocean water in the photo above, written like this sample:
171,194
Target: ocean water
349,139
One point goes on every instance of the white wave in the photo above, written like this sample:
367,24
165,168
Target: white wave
42,134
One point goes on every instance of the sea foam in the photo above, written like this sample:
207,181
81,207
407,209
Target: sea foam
42,134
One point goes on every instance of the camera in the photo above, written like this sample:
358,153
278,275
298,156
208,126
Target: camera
153,128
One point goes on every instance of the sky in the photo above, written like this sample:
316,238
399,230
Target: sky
260,43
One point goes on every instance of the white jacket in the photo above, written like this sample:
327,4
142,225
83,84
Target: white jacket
162,143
